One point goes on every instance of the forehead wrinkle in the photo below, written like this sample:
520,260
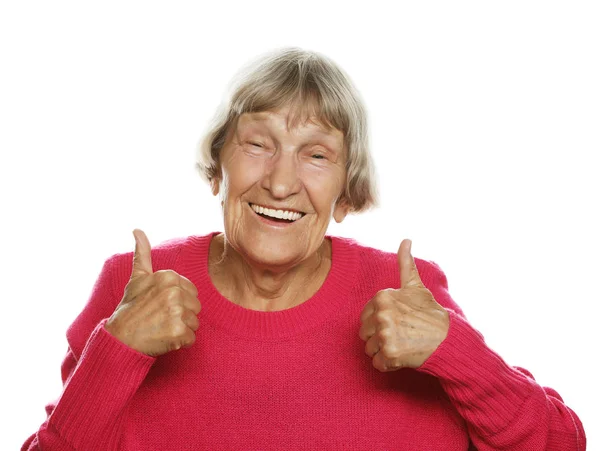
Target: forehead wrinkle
306,112
297,113
296,121
292,121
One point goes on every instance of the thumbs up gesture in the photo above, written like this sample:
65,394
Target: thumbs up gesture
403,327
159,310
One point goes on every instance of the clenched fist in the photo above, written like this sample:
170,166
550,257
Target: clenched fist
402,328
159,310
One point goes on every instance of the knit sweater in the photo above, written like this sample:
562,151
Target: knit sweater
292,379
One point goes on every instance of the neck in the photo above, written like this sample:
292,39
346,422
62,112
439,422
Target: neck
266,289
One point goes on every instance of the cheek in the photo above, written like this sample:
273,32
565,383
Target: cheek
242,173
323,187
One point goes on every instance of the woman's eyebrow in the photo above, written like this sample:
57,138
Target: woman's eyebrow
259,116
318,132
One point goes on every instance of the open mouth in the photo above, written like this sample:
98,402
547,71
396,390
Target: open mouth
284,216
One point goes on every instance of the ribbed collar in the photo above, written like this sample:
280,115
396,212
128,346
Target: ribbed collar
269,326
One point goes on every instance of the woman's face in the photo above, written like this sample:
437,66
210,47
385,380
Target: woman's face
269,170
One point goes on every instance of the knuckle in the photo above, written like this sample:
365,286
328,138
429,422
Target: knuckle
366,312
379,300
383,297
388,293
365,334
178,329
191,320
382,316
168,277
173,294
390,350
188,340
384,334
175,310
196,307
191,286
362,333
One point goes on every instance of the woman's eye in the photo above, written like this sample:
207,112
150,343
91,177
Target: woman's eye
318,156
255,144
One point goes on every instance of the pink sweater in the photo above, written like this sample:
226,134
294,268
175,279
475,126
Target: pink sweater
293,379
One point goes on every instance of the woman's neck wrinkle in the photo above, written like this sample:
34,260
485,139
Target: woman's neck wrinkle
266,285
268,290
261,289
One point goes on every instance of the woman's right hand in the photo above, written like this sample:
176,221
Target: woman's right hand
159,310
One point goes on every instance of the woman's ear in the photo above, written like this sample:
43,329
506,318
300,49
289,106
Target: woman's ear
341,210
214,185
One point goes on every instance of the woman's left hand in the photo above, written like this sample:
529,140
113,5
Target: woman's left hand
403,327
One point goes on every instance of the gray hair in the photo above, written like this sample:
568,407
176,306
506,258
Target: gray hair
314,86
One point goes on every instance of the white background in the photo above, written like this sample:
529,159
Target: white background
485,122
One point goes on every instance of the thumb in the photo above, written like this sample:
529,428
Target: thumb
142,257
409,275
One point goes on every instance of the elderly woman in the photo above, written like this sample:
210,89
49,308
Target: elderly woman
272,335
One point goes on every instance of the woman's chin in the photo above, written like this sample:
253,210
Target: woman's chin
274,251
274,254
273,259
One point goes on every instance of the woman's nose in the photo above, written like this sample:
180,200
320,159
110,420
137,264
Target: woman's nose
282,178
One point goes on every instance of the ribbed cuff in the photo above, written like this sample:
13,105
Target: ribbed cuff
487,392
106,378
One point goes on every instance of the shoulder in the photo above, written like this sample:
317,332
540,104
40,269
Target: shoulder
108,289
384,264
164,255
378,270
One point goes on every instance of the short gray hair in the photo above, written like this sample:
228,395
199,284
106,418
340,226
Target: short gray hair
314,86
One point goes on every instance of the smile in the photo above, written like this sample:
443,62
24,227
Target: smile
283,215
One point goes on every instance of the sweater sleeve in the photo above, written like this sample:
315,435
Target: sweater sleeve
503,406
100,375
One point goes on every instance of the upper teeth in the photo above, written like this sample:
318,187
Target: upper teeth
280,214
